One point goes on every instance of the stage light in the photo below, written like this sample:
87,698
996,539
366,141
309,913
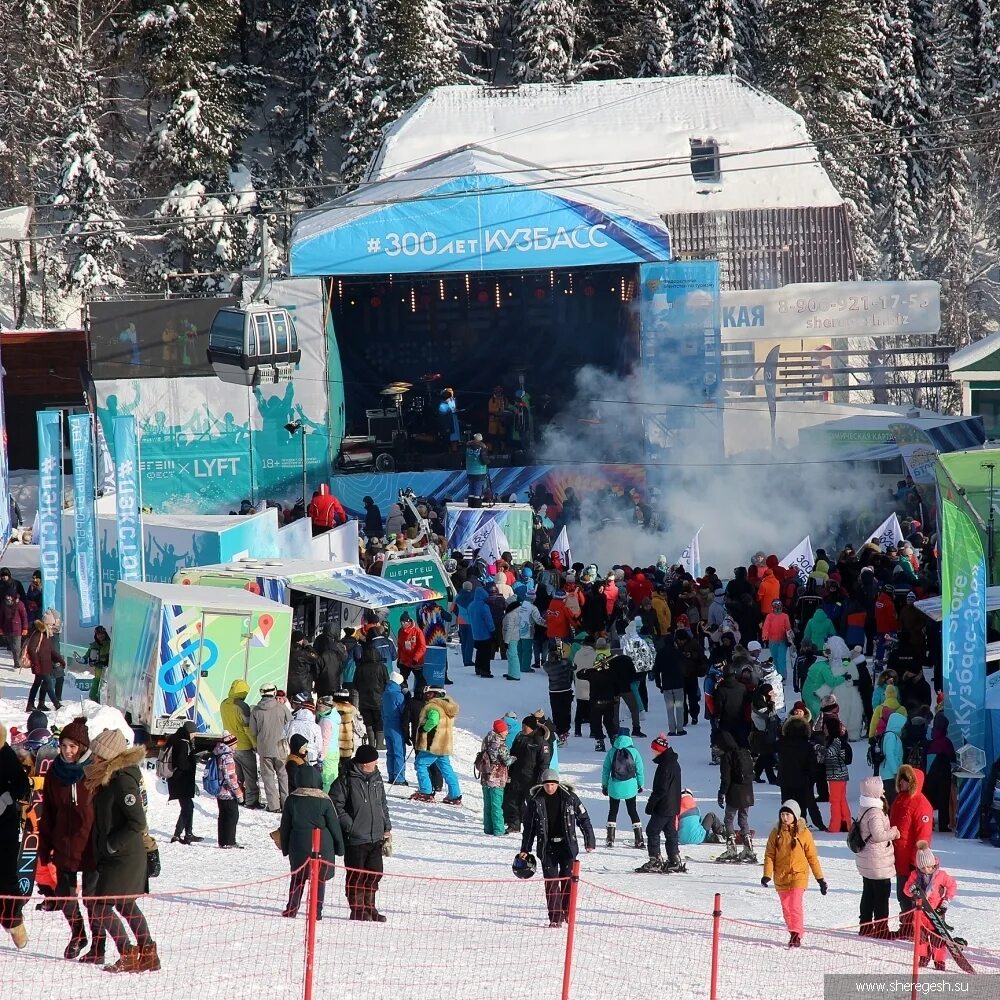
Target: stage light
467,285
413,299
497,296
540,294
441,288
375,302
483,296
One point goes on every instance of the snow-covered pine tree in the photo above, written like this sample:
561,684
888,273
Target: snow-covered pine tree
559,41
822,60
982,36
635,37
900,109
477,25
96,234
718,36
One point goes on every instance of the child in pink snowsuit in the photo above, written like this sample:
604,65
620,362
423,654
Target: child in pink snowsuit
939,888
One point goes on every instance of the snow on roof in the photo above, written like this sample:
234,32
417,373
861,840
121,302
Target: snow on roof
972,353
632,134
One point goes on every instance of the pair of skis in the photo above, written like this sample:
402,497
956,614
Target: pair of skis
939,928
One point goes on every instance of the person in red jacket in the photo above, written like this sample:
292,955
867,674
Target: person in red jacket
886,619
911,814
558,619
412,647
931,881
325,510
13,623
64,838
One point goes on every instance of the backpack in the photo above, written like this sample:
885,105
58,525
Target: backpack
211,780
165,763
622,765
482,766
855,841
876,751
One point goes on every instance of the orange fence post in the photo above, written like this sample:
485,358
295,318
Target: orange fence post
716,934
574,885
314,878
918,918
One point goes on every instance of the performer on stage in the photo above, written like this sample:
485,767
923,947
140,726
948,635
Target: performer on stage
448,419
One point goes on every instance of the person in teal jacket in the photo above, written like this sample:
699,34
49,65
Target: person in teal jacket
693,828
818,629
513,727
622,779
892,747
819,675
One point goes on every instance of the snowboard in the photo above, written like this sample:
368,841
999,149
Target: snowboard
27,858
941,929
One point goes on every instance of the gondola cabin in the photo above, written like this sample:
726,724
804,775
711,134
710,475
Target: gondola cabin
253,345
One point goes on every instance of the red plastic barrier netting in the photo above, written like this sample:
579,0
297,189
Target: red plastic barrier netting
447,939
630,947
212,944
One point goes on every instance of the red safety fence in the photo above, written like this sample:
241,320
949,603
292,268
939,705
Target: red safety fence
459,939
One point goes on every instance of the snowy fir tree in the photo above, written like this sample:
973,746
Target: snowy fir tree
635,37
97,237
545,41
718,36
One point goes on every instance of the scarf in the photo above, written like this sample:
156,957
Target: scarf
70,773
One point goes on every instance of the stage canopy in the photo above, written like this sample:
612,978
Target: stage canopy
475,210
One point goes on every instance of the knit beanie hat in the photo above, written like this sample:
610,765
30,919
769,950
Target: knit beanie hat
872,788
500,727
366,755
268,690
925,856
659,743
829,700
108,744
296,743
228,738
790,805
77,732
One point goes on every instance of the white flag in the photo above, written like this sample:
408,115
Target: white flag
494,543
888,532
801,558
561,545
691,557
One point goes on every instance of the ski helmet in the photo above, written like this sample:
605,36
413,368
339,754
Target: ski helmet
525,865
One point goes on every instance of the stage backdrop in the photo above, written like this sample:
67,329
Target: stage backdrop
468,528
206,445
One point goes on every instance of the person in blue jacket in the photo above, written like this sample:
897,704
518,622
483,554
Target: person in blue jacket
693,828
483,631
394,700
463,601
892,748
622,779
513,727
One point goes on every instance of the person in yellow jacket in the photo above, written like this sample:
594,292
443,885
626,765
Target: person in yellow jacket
662,609
235,715
790,854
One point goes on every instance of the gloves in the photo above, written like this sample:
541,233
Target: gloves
722,801
387,845
822,886
765,881
604,792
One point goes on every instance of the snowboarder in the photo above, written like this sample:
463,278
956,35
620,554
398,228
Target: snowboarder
14,788
554,826
434,745
932,882
736,796
663,809
788,859
359,797
622,778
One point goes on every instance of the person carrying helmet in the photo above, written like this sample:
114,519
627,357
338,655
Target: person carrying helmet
554,811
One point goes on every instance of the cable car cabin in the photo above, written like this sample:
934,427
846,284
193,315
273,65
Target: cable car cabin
253,345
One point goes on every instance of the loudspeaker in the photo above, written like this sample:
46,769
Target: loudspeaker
473,503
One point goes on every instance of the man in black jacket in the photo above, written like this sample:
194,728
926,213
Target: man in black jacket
551,819
603,695
798,768
303,666
370,679
359,797
663,808
332,657
530,757
731,699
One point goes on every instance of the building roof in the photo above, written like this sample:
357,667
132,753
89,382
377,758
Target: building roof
973,355
632,134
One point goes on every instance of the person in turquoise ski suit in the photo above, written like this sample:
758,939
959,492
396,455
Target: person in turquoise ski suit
619,789
513,728
819,675
818,629
892,747
394,700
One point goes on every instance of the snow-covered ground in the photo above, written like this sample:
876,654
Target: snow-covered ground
460,925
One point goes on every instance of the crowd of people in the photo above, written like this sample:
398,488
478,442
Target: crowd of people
788,673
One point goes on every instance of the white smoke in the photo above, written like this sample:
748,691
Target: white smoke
765,498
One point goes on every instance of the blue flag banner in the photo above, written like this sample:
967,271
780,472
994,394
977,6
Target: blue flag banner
127,500
50,508
88,575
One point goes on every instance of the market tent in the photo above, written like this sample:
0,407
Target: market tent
476,210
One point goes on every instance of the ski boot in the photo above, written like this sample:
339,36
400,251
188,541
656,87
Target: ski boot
610,842
674,867
422,797
599,747
562,739
652,866
457,801
730,853
747,855
640,843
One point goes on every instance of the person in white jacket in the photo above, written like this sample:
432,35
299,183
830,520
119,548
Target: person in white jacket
876,860
510,630
770,675
304,724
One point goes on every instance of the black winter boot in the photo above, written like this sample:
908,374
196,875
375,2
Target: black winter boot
611,836
640,843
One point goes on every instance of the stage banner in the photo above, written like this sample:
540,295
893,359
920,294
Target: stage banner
128,502
887,533
963,597
50,543
494,544
6,524
468,528
88,576
801,558
691,557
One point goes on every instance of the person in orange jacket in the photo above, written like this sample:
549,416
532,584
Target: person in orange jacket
412,647
768,591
